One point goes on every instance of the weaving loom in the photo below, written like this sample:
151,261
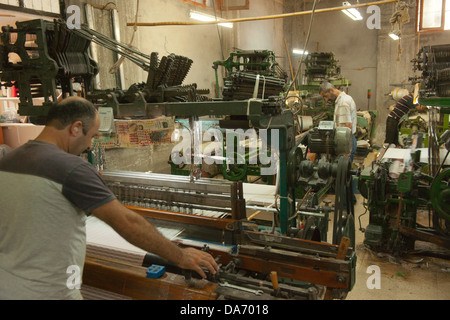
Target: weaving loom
252,231
246,253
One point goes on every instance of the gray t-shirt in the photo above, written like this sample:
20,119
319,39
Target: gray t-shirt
45,196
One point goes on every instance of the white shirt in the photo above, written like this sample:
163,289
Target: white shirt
345,111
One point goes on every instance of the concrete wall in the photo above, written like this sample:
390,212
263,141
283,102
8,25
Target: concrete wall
260,34
200,43
353,44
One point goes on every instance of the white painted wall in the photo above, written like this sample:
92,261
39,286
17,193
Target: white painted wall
199,43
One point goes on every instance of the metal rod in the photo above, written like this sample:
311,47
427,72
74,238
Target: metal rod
278,16
269,209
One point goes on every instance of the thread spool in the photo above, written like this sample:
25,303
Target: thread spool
399,93
396,168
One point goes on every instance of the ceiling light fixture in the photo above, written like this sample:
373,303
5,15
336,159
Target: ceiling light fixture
395,34
207,18
299,51
351,12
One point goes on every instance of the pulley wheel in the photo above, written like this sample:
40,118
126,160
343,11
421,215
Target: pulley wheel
440,194
349,230
237,170
344,210
295,157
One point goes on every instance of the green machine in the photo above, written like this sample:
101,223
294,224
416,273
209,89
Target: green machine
38,57
163,94
250,74
320,66
393,204
395,199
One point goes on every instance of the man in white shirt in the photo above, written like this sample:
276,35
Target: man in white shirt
345,109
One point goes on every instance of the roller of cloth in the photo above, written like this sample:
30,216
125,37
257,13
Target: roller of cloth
103,242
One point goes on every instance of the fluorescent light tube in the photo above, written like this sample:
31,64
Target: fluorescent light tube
226,25
299,51
394,35
351,12
207,18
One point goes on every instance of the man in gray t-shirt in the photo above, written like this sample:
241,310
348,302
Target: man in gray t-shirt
46,193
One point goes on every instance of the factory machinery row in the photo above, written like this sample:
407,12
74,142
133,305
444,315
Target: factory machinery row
271,239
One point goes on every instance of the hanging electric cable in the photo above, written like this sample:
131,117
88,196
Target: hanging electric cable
306,44
221,48
119,62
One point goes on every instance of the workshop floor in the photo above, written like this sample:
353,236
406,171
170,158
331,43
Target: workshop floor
414,277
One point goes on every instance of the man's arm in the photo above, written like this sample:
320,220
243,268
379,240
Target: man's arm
141,233
347,125
421,108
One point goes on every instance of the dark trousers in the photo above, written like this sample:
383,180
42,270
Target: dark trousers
354,146
391,131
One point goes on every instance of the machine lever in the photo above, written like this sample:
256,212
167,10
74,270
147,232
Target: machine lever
228,285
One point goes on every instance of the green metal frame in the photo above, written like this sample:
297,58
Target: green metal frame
256,111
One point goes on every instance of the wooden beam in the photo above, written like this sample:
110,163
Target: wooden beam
217,223
131,281
426,236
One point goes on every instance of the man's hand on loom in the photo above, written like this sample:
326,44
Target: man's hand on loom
194,259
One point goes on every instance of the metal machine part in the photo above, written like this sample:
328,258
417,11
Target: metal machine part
394,203
164,84
329,140
53,57
304,269
320,66
440,195
254,62
434,63
316,178
251,74
216,201
48,56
